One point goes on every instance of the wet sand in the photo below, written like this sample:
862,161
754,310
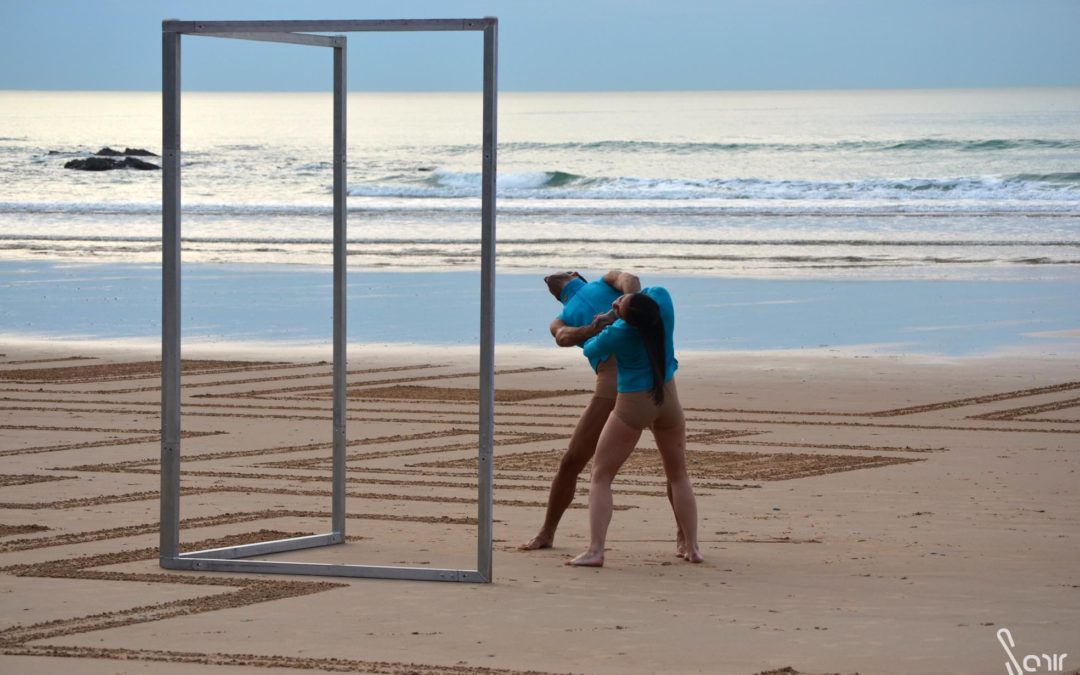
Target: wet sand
869,514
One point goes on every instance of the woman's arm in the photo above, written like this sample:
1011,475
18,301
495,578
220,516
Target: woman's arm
603,344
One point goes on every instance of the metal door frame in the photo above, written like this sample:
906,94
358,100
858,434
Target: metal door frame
231,559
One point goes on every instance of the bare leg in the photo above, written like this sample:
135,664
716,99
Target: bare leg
672,445
680,540
564,485
616,443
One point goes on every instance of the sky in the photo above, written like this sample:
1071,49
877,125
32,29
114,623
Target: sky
560,45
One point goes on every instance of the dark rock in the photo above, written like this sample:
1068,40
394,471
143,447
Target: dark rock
133,163
108,152
94,164
107,164
55,152
138,152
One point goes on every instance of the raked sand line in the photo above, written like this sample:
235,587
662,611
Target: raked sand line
107,372
267,416
704,464
1017,413
109,442
329,665
501,411
12,530
878,425
69,538
835,446
153,495
976,400
274,450
8,479
325,390
501,441
26,362
321,375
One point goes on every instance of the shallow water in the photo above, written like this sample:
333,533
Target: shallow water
290,304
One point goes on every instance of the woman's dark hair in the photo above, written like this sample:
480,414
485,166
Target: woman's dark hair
643,313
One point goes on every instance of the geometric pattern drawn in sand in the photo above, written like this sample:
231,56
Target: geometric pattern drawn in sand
703,464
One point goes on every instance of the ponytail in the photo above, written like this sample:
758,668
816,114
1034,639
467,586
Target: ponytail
644,315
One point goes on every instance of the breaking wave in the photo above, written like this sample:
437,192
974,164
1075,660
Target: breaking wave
563,185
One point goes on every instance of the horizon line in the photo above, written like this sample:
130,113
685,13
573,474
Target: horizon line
562,91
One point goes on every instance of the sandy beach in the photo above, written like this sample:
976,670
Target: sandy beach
867,221
871,514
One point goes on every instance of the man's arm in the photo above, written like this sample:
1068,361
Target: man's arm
624,282
572,336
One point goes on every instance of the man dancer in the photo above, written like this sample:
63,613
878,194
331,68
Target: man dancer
584,315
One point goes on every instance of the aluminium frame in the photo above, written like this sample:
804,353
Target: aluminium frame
231,558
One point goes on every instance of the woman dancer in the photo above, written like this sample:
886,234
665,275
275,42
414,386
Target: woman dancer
641,341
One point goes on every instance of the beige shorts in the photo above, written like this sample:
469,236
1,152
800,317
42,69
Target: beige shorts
607,379
638,410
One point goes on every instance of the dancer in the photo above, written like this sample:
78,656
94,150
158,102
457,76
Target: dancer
584,315
641,342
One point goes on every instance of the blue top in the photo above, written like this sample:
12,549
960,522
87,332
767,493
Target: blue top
623,340
583,301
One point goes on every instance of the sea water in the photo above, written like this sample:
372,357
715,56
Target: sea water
941,184
942,221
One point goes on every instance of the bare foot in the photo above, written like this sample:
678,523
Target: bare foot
680,545
694,556
539,541
587,559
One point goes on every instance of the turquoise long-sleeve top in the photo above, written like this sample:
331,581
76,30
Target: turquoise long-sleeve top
582,301
623,340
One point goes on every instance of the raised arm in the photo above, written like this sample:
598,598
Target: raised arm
624,282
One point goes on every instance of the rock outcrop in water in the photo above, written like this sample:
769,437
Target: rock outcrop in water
129,152
108,164
102,160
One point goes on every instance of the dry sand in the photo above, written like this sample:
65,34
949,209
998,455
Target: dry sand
858,514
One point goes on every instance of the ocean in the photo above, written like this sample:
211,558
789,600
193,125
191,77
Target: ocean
940,184
937,221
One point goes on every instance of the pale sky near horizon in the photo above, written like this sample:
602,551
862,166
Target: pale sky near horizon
561,45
